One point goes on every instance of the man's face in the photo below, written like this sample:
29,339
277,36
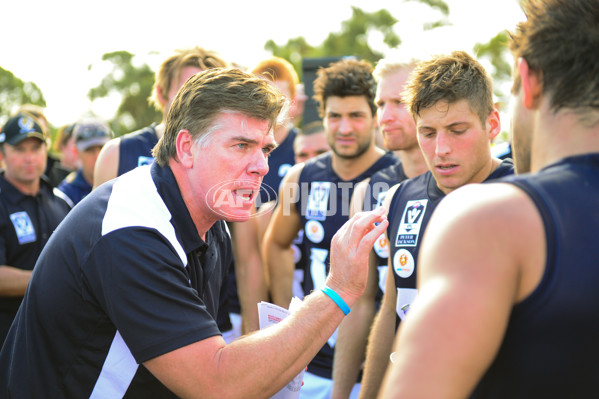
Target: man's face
227,172
396,123
350,125
88,159
25,162
184,74
306,147
455,145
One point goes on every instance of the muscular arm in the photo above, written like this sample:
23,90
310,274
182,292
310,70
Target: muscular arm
251,279
380,340
353,330
282,229
259,365
475,263
13,281
107,164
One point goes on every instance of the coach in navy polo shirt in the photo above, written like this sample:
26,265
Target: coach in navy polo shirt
124,297
29,211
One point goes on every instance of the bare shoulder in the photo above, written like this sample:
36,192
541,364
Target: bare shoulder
107,164
357,198
389,196
293,174
487,228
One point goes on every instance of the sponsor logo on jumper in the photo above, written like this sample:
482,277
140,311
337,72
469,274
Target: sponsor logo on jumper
411,222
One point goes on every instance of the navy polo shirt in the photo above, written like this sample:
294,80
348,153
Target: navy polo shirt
124,279
26,223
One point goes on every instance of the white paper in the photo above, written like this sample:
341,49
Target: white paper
269,314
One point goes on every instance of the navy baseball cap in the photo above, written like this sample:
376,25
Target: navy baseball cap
91,132
20,127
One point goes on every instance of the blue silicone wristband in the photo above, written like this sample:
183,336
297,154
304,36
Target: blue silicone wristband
337,299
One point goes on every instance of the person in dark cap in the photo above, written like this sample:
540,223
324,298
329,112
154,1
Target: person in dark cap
89,136
29,210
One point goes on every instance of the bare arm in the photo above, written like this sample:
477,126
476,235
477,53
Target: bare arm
251,281
13,281
282,230
350,349
107,164
380,340
259,365
475,263
353,330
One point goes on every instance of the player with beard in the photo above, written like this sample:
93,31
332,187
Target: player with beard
316,195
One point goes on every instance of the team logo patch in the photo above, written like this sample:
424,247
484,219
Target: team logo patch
403,263
283,169
314,231
318,200
141,160
26,125
405,297
23,227
381,246
411,221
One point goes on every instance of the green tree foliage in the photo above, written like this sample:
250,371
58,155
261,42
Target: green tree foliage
134,84
351,40
15,92
496,50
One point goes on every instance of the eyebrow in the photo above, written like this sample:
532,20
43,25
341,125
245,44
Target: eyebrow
243,139
451,125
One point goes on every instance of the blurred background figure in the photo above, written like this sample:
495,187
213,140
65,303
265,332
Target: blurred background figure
29,211
64,155
89,136
134,149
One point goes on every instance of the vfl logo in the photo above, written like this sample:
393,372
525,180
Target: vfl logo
412,215
318,200
411,222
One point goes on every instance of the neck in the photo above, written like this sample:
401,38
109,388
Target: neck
27,188
412,161
350,168
562,134
198,212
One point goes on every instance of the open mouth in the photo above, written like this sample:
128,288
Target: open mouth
246,194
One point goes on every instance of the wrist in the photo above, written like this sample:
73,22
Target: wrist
335,297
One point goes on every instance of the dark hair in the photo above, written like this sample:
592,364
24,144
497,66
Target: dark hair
207,95
560,39
452,78
348,77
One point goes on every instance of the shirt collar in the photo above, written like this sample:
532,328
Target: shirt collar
168,189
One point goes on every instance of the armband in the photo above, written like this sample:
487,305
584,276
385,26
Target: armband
337,299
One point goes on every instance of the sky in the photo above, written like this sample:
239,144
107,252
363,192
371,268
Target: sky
59,44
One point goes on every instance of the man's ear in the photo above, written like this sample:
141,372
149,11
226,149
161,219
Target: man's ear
531,84
494,124
185,148
161,97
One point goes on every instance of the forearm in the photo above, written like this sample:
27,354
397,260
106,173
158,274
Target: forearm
281,351
252,289
280,266
351,347
378,350
13,281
